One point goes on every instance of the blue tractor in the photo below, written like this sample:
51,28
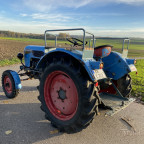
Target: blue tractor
73,81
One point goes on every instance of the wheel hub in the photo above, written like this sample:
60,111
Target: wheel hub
8,84
62,94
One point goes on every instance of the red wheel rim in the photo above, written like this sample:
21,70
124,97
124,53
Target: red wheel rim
7,84
61,95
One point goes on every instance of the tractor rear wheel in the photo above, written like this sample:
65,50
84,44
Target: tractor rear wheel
67,97
9,85
124,85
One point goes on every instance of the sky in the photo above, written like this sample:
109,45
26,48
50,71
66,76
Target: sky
116,18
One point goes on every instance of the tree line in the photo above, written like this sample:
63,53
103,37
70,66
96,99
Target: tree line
61,36
20,35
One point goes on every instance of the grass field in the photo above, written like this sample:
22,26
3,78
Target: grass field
134,43
9,47
136,47
9,61
138,80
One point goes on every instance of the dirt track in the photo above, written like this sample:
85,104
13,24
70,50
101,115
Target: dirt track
22,122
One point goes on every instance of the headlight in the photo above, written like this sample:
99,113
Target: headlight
101,65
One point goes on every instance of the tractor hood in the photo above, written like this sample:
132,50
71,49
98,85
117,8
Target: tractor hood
33,52
30,48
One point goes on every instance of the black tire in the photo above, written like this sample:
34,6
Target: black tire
87,98
124,85
9,90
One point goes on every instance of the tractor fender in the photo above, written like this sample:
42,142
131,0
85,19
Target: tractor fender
77,56
115,66
16,79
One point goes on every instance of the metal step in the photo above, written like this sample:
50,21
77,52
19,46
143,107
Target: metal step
114,103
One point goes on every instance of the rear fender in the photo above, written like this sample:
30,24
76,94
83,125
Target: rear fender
130,61
115,66
16,79
89,65
131,65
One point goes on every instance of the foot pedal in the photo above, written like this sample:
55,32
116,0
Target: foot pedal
114,103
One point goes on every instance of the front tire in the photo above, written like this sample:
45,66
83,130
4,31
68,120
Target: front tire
68,98
8,85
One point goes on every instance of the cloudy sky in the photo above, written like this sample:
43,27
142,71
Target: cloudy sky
120,18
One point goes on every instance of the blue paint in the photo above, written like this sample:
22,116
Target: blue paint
105,52
89,64
30,55
130,61
115,66
16,79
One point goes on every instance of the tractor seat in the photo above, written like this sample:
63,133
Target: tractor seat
102,51
103,46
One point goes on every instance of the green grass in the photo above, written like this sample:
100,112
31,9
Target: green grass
138,80
136,44
9,62
31,40
23,39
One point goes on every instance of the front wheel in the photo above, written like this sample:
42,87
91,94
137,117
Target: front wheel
8,85
67,97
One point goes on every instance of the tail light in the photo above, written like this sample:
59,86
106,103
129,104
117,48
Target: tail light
135,61
96,84
101,65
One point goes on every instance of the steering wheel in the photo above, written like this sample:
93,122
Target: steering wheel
76,41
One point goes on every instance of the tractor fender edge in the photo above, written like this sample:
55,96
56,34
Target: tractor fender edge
16,79
115,66
77,56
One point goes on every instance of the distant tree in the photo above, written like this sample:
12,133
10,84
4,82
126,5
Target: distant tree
63,36
20,35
